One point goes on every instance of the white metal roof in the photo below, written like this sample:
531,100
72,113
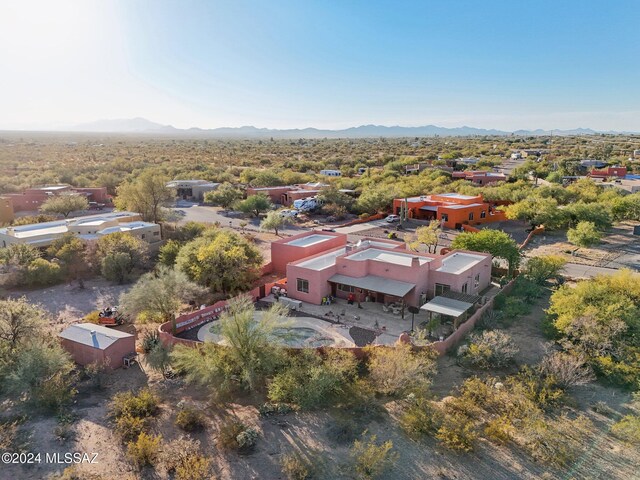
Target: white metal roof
93,335
446,306
397,258
375,284
459,262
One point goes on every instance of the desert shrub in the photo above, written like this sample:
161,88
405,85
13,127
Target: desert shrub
555,442
128,427
97,372
312,382
514,307
150,340
143,404
235,435
420,419
398,370
489,349
144,451
568,369
92,317
183,458
457,432
247,439
12,437
499,429
628,429
72,473
149,317
370,458
541,269
268,409
527,290
343,430
542,390
489,320
42,272
296,467
190,420
603,409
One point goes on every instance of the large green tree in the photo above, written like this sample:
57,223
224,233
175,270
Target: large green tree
118,254
221,260
160,294
18,321
225,196
497,243
274,221
255,204
64,204
146,194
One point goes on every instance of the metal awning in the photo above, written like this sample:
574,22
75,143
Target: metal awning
447,306
429,208
375,284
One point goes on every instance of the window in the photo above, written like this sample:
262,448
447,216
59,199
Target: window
476,281
445,217
471,216
346,288
303,285
155,234
464,288
441,288
483,214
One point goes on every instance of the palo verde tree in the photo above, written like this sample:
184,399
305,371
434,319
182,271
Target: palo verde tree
220,260
159,294
118,254
274,221
255,204
64,204
225,196
147,194
497,243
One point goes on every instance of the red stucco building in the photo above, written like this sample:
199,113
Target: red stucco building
452,209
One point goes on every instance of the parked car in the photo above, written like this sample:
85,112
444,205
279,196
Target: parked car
289,213
392,218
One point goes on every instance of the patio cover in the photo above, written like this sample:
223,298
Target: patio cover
447,306
375,284
430,208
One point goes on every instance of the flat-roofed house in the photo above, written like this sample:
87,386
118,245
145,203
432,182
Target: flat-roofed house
452,209
90,343
192,189
90,227
383,271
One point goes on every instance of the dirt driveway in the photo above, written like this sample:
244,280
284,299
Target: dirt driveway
68,303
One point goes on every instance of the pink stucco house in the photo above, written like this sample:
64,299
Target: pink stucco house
376,270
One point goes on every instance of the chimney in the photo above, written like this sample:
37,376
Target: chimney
415,262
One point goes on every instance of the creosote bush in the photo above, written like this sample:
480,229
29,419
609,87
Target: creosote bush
183,458
296,467
370,458
235,435
489,349
190,420
144,451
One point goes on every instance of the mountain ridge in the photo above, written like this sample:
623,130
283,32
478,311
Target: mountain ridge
142,125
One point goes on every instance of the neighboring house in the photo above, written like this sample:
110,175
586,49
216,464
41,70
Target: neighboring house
32,198
331,173
452,209
90,343
287,194
588,164
90,227
467,160
479,177
619,172
376,270
192,189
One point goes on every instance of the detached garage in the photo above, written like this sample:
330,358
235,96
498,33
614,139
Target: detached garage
89,343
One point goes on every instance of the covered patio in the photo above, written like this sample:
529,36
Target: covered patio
451,305
372,288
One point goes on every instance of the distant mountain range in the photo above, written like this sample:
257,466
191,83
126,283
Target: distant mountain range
144,126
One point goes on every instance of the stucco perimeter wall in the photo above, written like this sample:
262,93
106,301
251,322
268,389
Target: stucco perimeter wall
462,331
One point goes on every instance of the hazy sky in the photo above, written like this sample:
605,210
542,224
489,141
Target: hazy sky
331,64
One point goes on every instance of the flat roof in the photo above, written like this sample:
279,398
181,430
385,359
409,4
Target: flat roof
446,306
459,196
82,333
457,206
375,283
309,240
459,262
395,257
323,261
